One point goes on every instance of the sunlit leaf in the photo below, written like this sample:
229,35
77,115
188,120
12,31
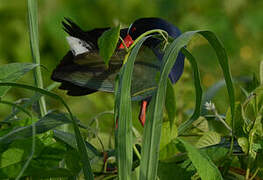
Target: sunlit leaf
208,139
108,42
243,143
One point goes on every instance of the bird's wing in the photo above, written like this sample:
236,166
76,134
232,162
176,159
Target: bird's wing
89,71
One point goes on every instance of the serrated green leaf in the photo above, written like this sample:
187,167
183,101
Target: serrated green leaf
107,43
203,164
208,139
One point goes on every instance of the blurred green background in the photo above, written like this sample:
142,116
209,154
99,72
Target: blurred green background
237,23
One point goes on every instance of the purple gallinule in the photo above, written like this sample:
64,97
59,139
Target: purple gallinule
82,71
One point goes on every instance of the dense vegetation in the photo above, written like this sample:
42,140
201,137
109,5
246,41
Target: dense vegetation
199,138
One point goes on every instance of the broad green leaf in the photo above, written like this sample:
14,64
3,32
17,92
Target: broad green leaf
170,103
167,135
12,72
243,143
175,170
208,139
168,151
203,164
70,139
108,42
18,152
217,153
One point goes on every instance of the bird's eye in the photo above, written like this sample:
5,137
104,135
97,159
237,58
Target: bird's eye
133,29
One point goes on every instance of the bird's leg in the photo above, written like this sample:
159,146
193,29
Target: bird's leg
116,123
142,116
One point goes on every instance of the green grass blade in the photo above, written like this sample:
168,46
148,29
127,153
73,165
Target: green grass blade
80,142
152,131
32,100
124,110
223,61
12,72
34,44
21,108
170,103
46,123
198,92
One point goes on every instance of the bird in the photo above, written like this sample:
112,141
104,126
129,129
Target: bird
82,71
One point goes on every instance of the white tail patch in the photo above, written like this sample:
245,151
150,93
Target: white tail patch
78,46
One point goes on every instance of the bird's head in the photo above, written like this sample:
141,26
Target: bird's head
143,25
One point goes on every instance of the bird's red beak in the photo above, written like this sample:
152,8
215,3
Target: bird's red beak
128,41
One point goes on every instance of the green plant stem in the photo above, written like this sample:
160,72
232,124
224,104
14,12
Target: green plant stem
125,47
34,44
254,175
222,121
261,72
160,31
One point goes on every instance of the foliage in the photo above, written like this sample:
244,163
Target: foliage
206,142
107,43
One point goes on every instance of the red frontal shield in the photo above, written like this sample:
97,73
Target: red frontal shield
128,41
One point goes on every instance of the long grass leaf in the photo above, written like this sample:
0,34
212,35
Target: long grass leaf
198,92
21,108
124,110
80,142
12,72
34,44
31,100
152,131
